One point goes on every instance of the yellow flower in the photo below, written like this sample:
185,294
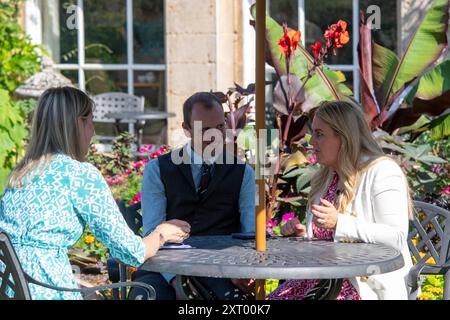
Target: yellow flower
430,259
98,245
425,296
89,239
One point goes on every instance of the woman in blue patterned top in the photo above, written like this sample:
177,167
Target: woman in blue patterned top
52,195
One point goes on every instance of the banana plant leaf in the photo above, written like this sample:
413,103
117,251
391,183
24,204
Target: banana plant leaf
430,96
433,91
424,48
368,98
435,82
394,77
440,127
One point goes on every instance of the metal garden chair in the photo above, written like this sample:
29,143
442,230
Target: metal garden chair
14,281
110,102
431,237
117,271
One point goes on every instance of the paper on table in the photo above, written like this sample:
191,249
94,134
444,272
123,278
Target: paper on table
176,246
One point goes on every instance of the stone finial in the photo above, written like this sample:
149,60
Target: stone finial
49,77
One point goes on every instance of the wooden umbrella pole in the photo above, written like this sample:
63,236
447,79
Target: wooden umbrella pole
260,124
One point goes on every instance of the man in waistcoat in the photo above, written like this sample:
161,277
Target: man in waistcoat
203,185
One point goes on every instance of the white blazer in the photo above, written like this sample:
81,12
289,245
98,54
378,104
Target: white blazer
378,214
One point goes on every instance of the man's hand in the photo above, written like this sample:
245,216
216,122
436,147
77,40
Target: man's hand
247,286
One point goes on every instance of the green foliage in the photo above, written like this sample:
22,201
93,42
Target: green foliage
19,59
18,56
432,288
12,135
424,48
128,192
425,161
89,249
118,160
271,285
388,79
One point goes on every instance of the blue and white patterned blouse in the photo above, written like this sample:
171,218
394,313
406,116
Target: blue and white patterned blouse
47,216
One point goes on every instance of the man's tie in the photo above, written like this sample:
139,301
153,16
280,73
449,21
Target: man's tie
205,179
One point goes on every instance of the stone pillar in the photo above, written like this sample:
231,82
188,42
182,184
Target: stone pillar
203,52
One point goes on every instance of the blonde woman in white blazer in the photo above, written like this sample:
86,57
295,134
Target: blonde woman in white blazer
372,202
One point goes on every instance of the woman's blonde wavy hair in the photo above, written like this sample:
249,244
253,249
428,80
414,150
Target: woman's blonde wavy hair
54,130
349,123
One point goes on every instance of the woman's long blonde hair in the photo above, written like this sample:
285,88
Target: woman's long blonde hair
348,122
54,130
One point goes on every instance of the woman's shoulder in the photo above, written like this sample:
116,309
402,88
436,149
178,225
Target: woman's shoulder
75,168
385,173
383,164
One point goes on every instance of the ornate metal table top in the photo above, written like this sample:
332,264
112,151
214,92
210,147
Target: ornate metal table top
285,258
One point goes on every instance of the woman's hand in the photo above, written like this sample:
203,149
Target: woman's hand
325,215
174,230
293,227
169,231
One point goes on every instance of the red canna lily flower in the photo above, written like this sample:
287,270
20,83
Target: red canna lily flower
341,34
342,25
316,49
289,42
337,35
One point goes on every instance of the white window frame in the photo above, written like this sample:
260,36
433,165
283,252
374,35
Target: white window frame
130,66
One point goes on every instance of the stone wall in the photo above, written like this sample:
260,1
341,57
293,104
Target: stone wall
203,52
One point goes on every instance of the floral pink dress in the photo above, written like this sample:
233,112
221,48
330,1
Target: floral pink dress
297,289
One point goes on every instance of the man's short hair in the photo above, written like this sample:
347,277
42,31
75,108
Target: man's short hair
207,99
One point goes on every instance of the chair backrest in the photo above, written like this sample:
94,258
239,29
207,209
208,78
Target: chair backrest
430,237
13,285
115,102
132,216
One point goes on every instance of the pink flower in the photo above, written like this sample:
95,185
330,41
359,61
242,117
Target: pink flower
155,155
288,216
163,149
136,198
138,164
446,190
312,159
145,149
436,168
272,223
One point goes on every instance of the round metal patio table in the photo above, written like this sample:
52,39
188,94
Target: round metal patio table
285,258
